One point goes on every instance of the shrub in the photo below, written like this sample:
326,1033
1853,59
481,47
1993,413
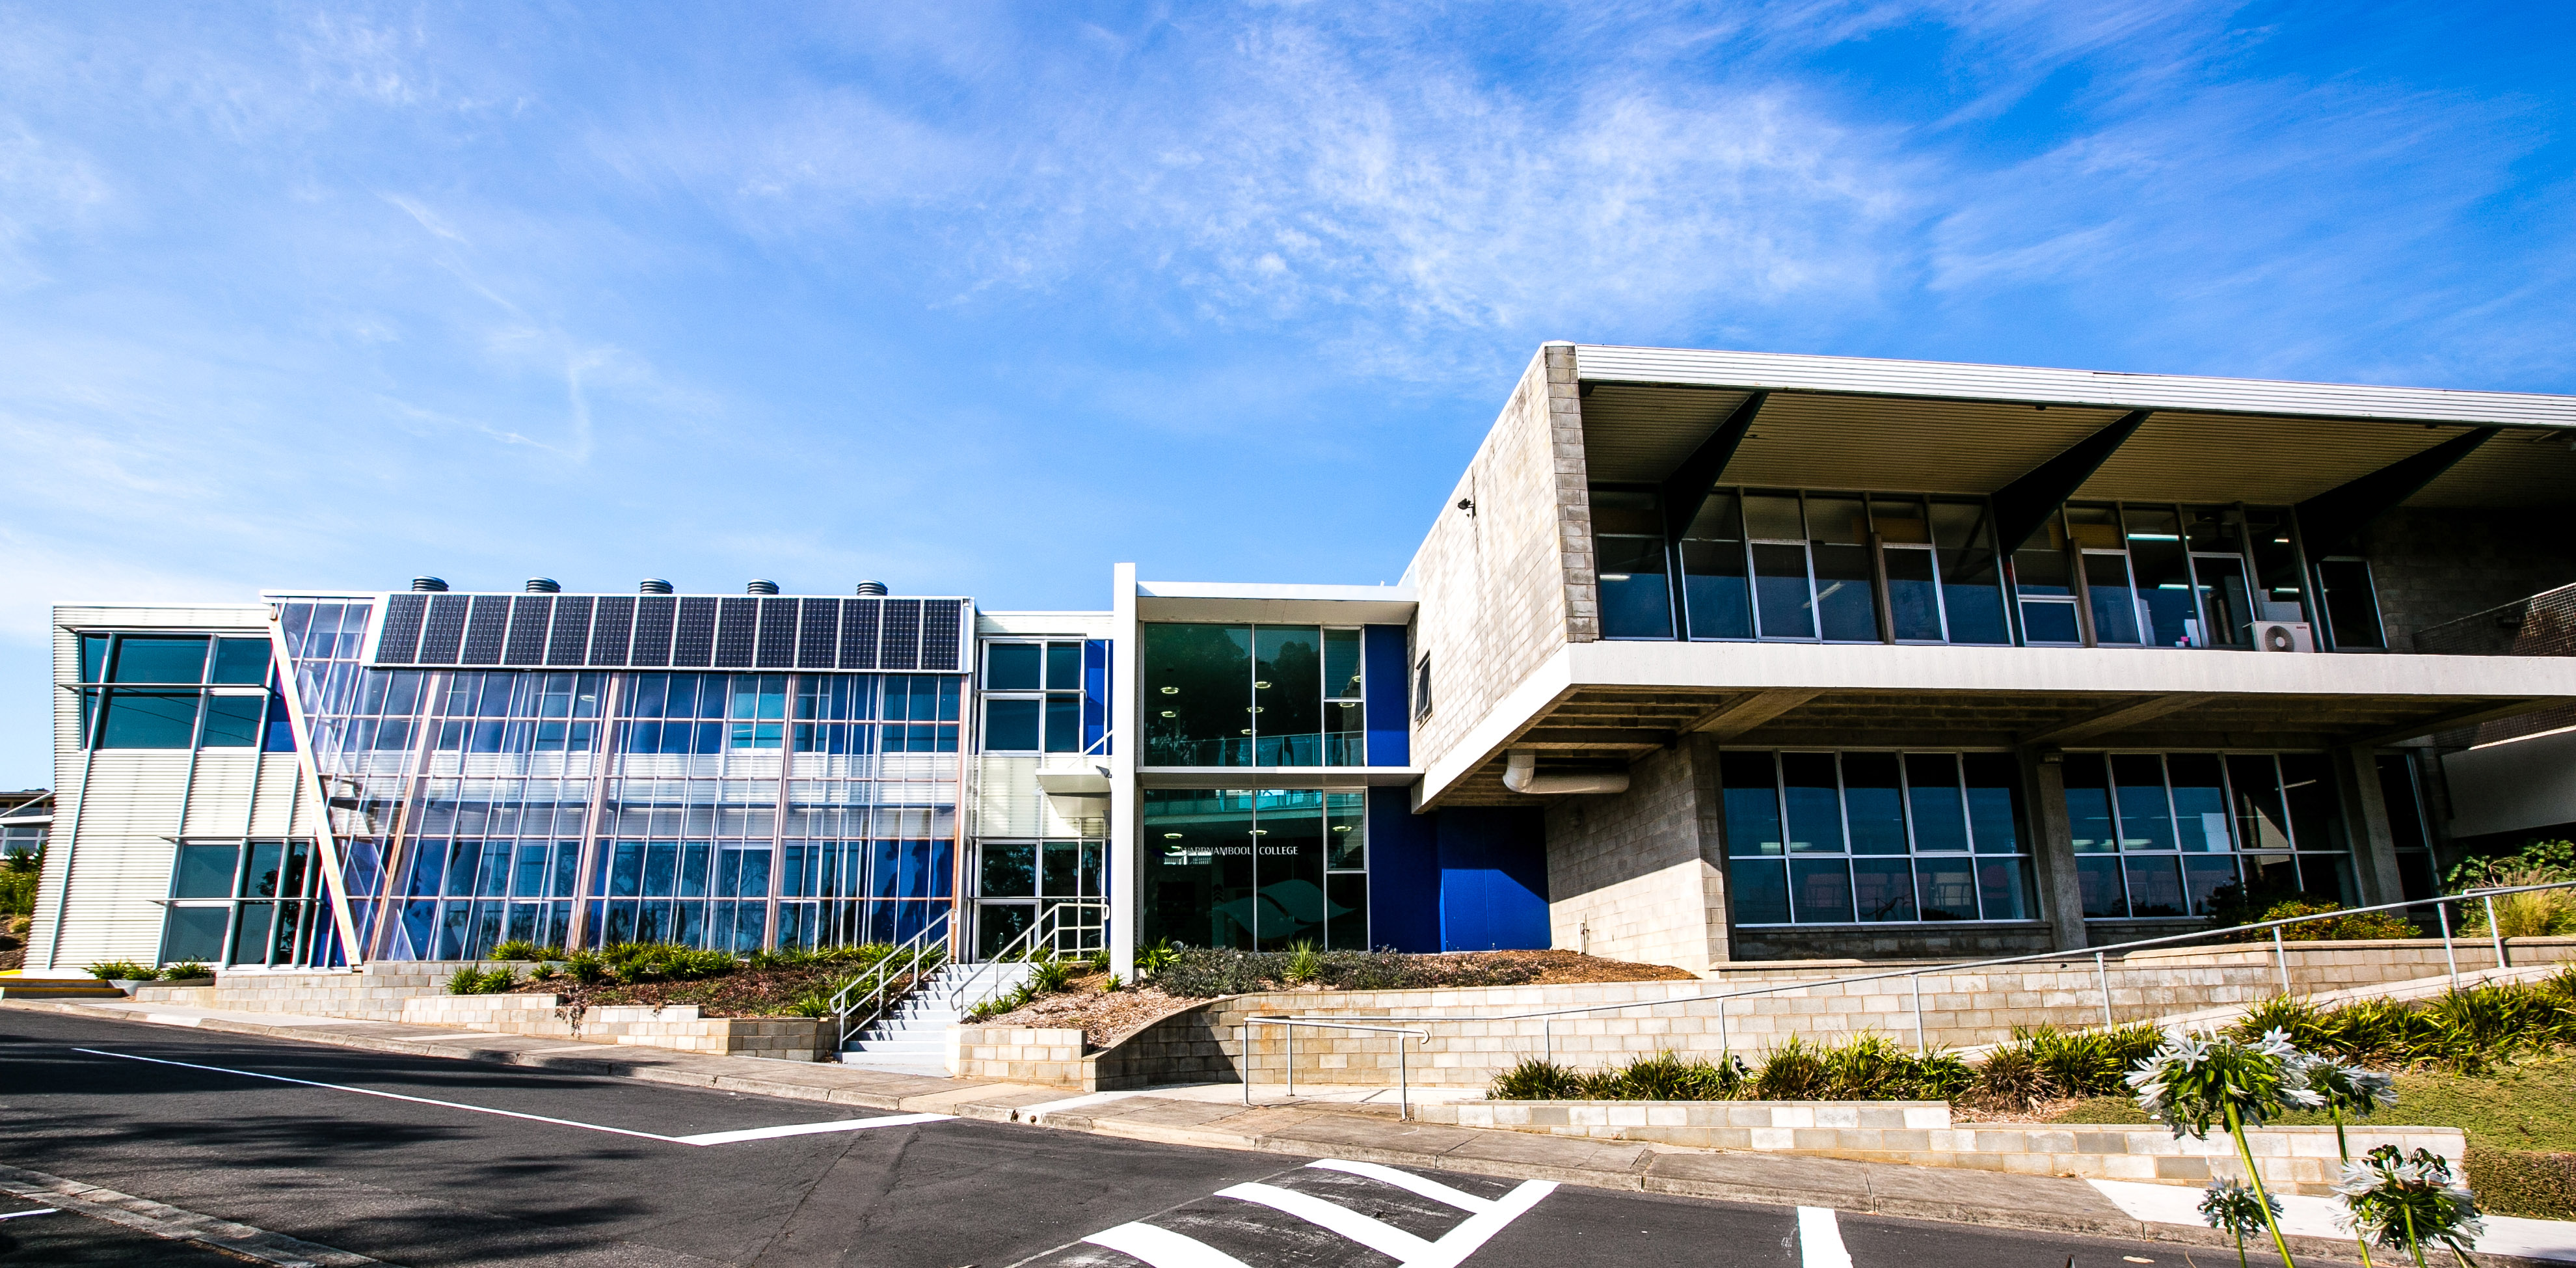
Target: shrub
468,981
1050,976
2539,1186
586,968
1794,1071
515,949
1667,1077
1304,963
1201,971
17,892
1867,1068
2010,1077
2087,1063
2359,926
811,1004
668,962
1536,1080
2302,1021
1156,958
187,969
122,971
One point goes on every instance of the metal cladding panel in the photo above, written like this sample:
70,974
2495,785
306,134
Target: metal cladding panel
486,630
943,625
777,648
529,618
656,617
611,628
399,644
693,644
737,623
899,643
1868,376
859,632
445,631
570,644
819,634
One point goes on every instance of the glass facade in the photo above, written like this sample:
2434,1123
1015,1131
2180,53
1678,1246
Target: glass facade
739,810
1015,880
2135,574
1255,869
1046,696
2157,834
179,691
1254,695
243,902
1844,838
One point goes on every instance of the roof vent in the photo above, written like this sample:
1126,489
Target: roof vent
757,586
652,585
431,584
543,585
872,587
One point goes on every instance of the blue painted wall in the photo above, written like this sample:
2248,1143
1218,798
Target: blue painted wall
1455,880
1493,879
1389,676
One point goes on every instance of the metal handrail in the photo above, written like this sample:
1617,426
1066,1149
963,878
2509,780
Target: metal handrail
1051,923
904,960
1403,1081
2439,903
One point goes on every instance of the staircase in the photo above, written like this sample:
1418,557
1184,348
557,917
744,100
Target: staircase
912,1038
57,988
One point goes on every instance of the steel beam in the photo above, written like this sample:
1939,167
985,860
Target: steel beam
2328,521
2026,503
1688,486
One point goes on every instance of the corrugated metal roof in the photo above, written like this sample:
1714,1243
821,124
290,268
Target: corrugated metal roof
1908,446
1869,376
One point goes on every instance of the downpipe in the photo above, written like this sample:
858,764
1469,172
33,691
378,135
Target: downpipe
1520,774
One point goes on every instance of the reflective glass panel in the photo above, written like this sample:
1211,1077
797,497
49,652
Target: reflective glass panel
2115,609
2003,885
1932,794
1946,888
160,658
204,871
241,660
1780,588
1815,816
1198,695
1714,589
2163,577
1290,849
149,719
1628,543
2088,804
1971,582
1820,890
1994,802
1873,805
233,721
2155,886
1009,871
1752,806
1012,666
1758,888
1883,889
1011,726
2146,821
1288,695
2200,803
1846,590
1913,599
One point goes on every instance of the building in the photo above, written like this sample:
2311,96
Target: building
1708,657
25,819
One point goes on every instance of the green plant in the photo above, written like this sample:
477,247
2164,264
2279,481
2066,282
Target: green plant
2407,1201
187,969
2011,1077
1942,1076
2359,926
515,949
1050,976
2196,1082
1867,1068
469,981
2292,1015
1154,959
122,971
2232,1208
1536,1080
586,968
1794,1071
1111,985
1665,1076
811,1004
2090,1062
1304,963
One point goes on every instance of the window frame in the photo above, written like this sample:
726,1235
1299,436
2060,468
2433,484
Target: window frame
2021,859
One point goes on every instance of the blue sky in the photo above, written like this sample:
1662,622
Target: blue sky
983,299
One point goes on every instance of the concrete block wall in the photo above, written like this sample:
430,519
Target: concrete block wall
1639,875
678,1027
376,993
1022,1054
1920,1133
1502,588
2438,564
1960,1009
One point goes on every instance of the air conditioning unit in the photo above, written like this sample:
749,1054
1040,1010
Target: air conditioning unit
2284,636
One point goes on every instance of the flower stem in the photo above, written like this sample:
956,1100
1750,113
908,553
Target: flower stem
2236,1128
2343,1147
2408,1212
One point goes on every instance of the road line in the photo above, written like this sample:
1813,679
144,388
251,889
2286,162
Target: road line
1384,1238
702,1139
809,1129
1820,1239
174,1223
1163,1248
42,1210
1410,1182
1480,1227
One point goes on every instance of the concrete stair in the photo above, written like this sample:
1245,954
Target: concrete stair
57,988
913,1037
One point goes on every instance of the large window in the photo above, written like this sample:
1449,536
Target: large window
179,691
2158,834
1045,696
1843,838
1785,565
1254,695
1015,880
2157,575
242,903
1264,869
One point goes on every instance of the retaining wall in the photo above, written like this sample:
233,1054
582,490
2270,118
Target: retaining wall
1920,1133
1960,1009
679,1027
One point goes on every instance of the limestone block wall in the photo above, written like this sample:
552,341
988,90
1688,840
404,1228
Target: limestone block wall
2437,564
1021,1054
1920,1133
1502,588
1470,1041
1637,876
679,1027
377,993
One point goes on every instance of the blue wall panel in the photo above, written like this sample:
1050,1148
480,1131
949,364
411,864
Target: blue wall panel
1404,873
1390,681
1493,879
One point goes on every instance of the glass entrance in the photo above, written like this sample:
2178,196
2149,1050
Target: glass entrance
1255,870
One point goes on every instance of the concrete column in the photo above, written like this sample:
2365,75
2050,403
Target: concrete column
2365,821
2061,894
1711,798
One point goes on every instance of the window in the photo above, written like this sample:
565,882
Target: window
1035,697
1844,838
1422,688
1015,880
243,903
179,691
2352,603
2159,834
1254,695
1255,869
2407,824
1628,562
2157,575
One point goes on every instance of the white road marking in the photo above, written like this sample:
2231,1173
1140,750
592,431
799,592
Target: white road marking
704,1138
1464,1240
1384,1238
42,1210
1820,1239
1162,1247
808,1129
1406,1180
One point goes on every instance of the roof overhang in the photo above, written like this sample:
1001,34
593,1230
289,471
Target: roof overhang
1286,604
1604,703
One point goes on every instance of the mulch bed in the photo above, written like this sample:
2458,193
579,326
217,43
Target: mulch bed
745,992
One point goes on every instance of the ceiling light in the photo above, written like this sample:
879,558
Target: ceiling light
1341,827
1171,836
1171,691
1261,832
1260,684
1247,730
1171,713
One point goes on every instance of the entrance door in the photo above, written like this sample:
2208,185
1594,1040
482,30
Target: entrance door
2226,608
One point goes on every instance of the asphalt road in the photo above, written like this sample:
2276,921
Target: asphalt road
421,1161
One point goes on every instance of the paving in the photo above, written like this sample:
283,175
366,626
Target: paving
1348,1126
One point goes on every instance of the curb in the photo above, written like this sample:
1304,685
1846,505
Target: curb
960,1102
